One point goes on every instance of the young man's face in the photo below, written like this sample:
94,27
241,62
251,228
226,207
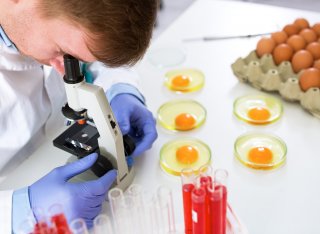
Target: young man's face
47,40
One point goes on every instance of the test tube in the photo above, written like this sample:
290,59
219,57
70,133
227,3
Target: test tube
188,184
102,225
153,215
215,195
198,210
205,177
205,173
235,225
137,193
128,215
165,210
116,198
42,223
78,226
221,179
58,219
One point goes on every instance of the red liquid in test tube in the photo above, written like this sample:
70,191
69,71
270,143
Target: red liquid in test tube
41,228
220,178
187,207
224,207
216,209
188,181
206,182
199,211
60,221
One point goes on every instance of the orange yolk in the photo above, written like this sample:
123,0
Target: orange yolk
260,155
259,114
185,121
187,154
180,81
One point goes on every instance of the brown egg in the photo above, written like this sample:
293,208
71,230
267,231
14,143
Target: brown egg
265,46
291,29
279,37
309,78
316,64
309,35
301,23
316,28
297,42
282,52
302,59
314,49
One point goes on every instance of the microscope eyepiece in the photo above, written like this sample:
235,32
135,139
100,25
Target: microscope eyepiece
72,70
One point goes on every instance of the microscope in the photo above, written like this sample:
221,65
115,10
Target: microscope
95,128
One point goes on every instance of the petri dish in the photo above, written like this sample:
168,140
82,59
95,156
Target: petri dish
166,57
260,151
181,115
184,80
184,153
258,109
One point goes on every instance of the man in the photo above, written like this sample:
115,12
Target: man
36,33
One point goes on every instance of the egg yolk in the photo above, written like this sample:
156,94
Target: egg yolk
260,155
181,81
259,114
185,121
187,154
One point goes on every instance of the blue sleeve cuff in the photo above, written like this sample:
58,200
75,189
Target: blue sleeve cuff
21,209
121,88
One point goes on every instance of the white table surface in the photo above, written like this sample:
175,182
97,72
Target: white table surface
285,200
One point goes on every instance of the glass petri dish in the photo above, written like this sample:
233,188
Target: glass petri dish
260,151
258,109
166,57
184,80
184,153
181,115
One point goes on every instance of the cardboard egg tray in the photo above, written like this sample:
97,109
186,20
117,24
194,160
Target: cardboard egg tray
263,74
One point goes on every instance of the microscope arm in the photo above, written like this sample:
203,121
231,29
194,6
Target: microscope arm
91,97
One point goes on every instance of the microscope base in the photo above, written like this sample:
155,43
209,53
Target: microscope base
90,175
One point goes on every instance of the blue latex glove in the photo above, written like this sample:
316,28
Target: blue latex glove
136,120
79,200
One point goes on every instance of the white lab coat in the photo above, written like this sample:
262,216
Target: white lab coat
31,97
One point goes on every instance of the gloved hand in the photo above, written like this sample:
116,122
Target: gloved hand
79,200
136,120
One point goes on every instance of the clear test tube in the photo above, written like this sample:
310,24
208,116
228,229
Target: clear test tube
221,181
116,199
164,195
128,213
136,192
78,226
102,225
188,183
153,219
235,226
58,219
199,210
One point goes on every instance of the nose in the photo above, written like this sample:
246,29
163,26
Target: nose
58,64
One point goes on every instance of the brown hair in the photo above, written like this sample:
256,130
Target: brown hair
119,30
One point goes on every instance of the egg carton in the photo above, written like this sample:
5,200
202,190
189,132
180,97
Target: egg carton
263,74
